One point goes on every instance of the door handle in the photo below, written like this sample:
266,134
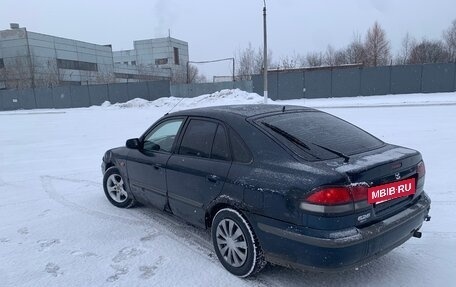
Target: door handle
212,178
157,166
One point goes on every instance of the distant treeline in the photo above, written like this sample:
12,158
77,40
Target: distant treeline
374,49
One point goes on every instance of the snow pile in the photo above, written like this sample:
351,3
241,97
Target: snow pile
223,97
135,103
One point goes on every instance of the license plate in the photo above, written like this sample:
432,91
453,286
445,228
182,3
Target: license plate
385,192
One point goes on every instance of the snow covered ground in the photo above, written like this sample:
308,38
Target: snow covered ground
57,228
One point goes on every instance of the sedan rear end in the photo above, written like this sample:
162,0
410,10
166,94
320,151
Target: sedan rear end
374,204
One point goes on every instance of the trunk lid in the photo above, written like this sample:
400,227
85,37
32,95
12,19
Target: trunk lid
378,167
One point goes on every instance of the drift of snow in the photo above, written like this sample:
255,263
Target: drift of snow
58,229
223,97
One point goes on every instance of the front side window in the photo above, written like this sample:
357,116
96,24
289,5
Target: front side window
162,137
198,138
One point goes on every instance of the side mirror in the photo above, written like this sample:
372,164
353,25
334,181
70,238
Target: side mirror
132,143
155,147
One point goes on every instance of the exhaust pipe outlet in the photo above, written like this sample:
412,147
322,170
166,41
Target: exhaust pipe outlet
417,234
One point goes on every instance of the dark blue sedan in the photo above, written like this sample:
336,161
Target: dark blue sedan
283,184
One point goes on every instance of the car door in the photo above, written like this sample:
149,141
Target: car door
197,171
147,165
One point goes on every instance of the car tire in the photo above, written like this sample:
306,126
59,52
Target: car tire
236,244
116,189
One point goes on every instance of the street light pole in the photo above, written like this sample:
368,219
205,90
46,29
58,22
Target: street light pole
265,57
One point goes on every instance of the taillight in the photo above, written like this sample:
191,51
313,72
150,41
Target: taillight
330,196
420,169
359,192
337,195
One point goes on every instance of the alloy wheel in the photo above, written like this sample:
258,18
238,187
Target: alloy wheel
231,242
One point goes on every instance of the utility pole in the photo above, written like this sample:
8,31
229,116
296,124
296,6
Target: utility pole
265,57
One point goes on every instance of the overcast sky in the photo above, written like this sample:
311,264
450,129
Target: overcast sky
217,29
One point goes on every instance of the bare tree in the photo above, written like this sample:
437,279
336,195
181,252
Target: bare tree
340,57
21,73
17,74
333,57
258,62
377,47
194,75
355,53
47,74
428,52
314,59
292,62
103,77
245,62
179,76
250,61
330,56
449,36
408,43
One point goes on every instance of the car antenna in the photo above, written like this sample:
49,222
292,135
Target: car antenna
283,109
174,106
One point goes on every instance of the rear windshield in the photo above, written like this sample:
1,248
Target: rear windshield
316,130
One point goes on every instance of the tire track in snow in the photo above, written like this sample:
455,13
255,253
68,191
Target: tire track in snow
193,238
143,218
48,187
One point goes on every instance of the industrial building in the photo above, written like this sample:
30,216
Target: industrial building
29,60
165,57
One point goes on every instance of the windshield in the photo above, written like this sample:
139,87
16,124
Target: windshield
322,132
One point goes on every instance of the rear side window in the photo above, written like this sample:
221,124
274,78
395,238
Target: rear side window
198,138
220,148
325,130
240,152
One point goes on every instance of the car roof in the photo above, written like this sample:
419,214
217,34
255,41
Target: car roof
242,111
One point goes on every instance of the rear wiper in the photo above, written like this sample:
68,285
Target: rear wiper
286,135
346,157
301,143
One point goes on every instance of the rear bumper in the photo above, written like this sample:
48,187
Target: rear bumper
296,246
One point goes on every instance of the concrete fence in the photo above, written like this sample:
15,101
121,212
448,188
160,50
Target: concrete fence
81,96
358,81
305,83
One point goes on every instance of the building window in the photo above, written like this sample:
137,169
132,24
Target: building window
133,63
70,83
76,65
162,61
176,56
126,63
2,64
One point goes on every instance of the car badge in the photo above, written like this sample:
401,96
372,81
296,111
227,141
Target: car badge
397,175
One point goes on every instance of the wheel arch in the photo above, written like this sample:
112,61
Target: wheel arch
220,203
109,165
